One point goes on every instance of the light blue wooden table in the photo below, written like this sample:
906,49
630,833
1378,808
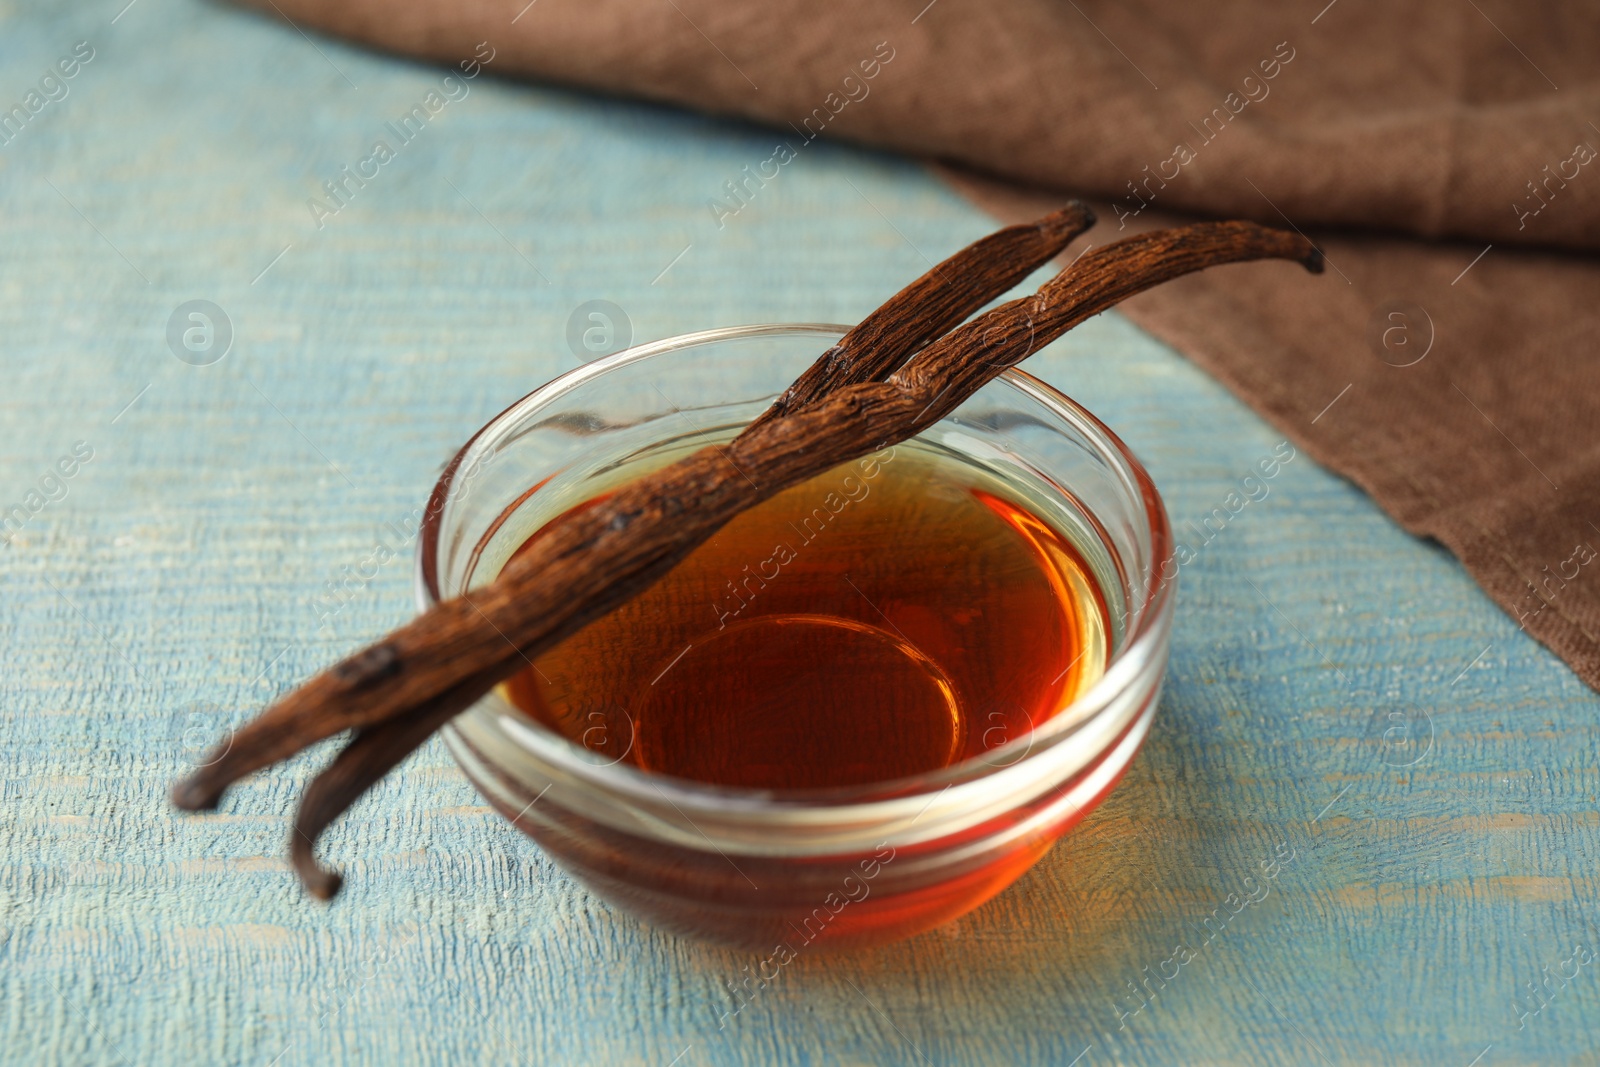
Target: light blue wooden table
173,589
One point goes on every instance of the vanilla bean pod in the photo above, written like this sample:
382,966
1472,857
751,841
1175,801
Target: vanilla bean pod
882,341
840,426
930,306
899,328
372,753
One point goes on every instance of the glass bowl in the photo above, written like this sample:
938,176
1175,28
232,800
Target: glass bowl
785,871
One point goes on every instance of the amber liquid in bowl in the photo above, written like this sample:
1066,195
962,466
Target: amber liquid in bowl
883,620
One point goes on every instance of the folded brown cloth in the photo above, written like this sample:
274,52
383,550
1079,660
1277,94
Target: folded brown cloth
1443,153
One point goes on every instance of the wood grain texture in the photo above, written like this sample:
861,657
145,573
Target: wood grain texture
173,589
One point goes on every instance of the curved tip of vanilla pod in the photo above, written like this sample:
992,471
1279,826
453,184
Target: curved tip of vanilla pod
319,881
1074,215
1296,246
1270,242
191,794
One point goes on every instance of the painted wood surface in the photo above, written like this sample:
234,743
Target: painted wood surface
1340,693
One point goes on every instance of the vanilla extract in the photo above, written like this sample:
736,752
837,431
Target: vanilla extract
882,620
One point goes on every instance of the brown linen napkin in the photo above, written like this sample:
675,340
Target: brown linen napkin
1449,377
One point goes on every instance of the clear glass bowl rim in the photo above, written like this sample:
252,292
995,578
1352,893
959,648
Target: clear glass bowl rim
1123,670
